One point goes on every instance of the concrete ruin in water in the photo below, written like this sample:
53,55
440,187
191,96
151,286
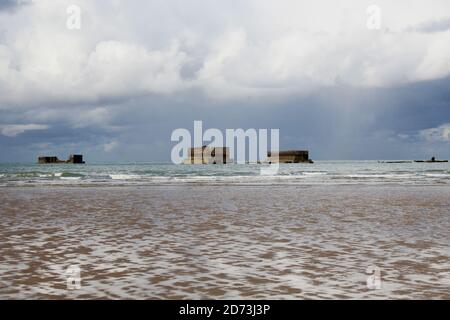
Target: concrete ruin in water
289,156
208,155
74,158
221,155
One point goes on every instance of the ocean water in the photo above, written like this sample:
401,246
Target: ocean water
163,231
321,172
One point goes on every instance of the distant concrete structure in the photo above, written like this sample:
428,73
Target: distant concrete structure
289,156
221,155
208,155
43,160
432,160
74,158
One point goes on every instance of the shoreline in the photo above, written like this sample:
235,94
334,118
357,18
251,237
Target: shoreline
222,184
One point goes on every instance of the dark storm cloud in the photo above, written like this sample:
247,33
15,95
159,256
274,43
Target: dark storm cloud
116,91
333,123
7,4
12,4
440,25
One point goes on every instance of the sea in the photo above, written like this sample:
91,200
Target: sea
328,230
321,172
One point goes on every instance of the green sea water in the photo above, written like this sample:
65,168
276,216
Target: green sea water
321,172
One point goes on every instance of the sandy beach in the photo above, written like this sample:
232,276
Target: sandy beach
216,242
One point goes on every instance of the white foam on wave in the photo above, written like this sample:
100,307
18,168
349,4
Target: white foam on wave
393,176
45,175
314,173
124,176
236,179
437,175
70,178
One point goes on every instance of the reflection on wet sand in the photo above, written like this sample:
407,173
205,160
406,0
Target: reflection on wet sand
225,241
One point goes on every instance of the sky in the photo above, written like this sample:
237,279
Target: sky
348,79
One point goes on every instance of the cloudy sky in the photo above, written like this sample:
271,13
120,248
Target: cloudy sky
331,76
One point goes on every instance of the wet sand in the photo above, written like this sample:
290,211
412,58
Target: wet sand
217,242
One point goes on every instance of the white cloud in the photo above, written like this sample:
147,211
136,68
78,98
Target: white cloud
440,25
74,117
108,147
13,130
231,49
93,117
439,134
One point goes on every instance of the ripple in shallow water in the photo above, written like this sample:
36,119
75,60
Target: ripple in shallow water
225,242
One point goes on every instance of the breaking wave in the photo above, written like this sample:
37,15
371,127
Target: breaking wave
321,172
